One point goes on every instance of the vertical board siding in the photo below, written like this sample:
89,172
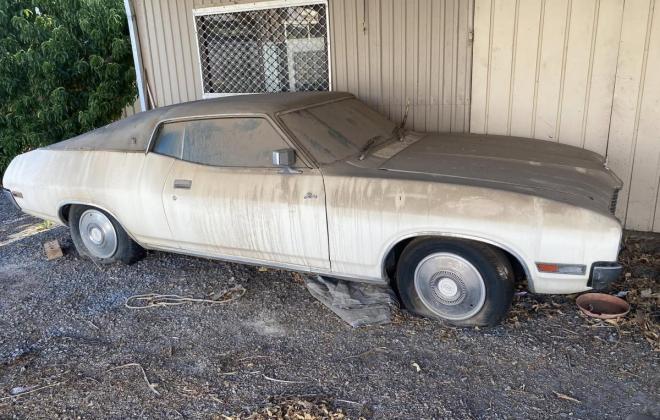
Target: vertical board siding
132,109
413,54
169,50
634,141
580,72
387,52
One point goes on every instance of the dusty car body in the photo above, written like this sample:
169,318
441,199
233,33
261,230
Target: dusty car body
346,192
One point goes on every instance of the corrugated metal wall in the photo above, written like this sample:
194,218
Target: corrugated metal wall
385,51
581,72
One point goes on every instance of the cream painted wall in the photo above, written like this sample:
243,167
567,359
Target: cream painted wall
580,72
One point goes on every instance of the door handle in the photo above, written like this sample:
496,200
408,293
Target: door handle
184,184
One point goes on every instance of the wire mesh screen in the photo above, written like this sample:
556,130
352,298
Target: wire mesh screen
282,49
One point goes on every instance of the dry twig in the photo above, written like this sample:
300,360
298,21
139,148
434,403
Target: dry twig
364,353
281,380
151,386
21,394
566,397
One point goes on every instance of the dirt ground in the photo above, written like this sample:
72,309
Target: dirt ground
70,348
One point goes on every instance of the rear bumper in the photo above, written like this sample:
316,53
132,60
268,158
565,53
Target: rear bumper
11,198
603,274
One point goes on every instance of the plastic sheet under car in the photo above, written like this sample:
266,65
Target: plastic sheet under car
358,304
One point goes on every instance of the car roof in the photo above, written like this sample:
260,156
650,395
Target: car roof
132,134
267,103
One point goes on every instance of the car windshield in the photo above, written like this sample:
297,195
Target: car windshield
338,130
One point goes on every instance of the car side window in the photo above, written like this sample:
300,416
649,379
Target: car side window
235,142
169,140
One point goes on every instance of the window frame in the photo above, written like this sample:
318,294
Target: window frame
301,155
259,5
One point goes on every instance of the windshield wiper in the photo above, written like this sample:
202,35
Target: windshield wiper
368,145
400,130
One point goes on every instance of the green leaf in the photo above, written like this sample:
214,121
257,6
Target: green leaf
63,71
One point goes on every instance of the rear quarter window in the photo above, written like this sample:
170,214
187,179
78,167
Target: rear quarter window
169,140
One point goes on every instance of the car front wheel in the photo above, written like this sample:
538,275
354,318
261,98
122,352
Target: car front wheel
462,282
100,237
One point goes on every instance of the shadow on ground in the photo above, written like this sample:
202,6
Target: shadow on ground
70,347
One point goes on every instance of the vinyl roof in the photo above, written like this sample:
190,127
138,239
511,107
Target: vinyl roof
269,103
132,134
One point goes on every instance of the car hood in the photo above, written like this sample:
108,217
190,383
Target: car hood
549,169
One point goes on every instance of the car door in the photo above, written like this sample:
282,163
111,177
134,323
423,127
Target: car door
224,197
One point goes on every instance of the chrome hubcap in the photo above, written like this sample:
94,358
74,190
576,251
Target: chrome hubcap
98,234
450,286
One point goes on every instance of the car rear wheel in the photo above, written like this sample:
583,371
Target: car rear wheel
461,282
100,237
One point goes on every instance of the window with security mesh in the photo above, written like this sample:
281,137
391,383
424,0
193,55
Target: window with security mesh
280,49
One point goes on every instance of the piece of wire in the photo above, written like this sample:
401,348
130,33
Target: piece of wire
151,300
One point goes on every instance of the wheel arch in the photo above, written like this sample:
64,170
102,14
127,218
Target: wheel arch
393,252
64,208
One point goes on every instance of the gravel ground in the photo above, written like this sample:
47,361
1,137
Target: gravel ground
70,348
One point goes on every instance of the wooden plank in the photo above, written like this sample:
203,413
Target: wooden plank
163,59
351,51
362,42
521,111
645,174
448,69
387,58
502,41
480,65
435,62
338,44
412,61
375,51
189,52
172,49
601,92
423,67
53,250
622,138
577,72
399,74
460,122
149,53
550,74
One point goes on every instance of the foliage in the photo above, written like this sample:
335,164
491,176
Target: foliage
65,68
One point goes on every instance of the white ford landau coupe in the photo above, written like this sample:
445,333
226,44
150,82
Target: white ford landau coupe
319,182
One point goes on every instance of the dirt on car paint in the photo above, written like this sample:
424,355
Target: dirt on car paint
71,348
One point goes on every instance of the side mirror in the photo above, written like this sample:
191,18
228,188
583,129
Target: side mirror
284,157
